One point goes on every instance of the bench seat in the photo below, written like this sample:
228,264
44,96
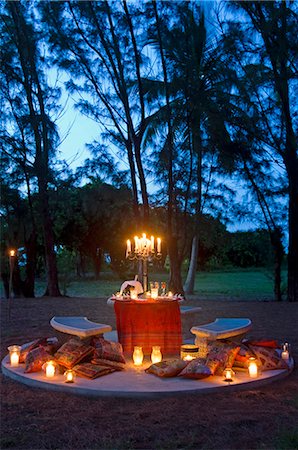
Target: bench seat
186,310
222,328
79,326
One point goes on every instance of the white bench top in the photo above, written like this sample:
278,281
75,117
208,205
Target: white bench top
222,328
78,326
189,309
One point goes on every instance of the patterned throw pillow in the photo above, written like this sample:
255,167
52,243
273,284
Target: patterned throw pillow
26,348
35,359
197,370
107,363
109,350
49,344
224,353
72,352
271,343
168,368
88,370
269,358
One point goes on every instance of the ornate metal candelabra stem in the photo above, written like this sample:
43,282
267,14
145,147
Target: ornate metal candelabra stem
143,250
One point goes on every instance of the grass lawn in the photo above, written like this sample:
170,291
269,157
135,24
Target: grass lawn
254,284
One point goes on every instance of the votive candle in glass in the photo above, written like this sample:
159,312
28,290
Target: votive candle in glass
69,376
50,369
138,356
156,355
14,355
252,368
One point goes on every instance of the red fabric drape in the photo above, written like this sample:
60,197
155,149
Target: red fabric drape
148,323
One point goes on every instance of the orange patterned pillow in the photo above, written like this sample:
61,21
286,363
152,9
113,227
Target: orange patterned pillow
35,359
107,363
269,358
197,370
224,353
168,368
88,370
108,350
72,352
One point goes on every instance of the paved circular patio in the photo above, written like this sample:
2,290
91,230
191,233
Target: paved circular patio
134,382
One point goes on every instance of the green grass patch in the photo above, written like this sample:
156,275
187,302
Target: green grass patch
236,283
244,284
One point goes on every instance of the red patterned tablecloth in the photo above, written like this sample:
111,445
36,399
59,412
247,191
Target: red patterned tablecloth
148,323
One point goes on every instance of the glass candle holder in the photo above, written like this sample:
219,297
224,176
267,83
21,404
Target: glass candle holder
154,292
69,376
50,369
14,355
138,356
156,355
252,367
188,352
228,374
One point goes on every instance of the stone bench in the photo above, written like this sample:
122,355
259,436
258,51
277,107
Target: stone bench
187,310
79,326
221,328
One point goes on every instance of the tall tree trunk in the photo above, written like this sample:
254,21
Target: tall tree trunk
191,274
175,281
197,146
278,250
49,243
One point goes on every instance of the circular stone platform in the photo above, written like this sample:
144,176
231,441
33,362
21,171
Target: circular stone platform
134,382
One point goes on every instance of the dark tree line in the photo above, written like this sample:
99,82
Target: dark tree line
187,106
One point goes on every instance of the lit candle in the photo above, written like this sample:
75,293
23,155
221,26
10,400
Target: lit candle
252,368
69,376
12,253
128,247
156,355
158,245
50,369
14,355
170,294
136,244
188,358
228,374
154,292
152,243
138,356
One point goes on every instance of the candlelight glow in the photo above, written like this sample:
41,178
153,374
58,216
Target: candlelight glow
50,369
228,374
69,376
12,252
14,355
154,292
156,355
252,368
138,356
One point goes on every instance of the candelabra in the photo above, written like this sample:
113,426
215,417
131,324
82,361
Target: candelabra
143,250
